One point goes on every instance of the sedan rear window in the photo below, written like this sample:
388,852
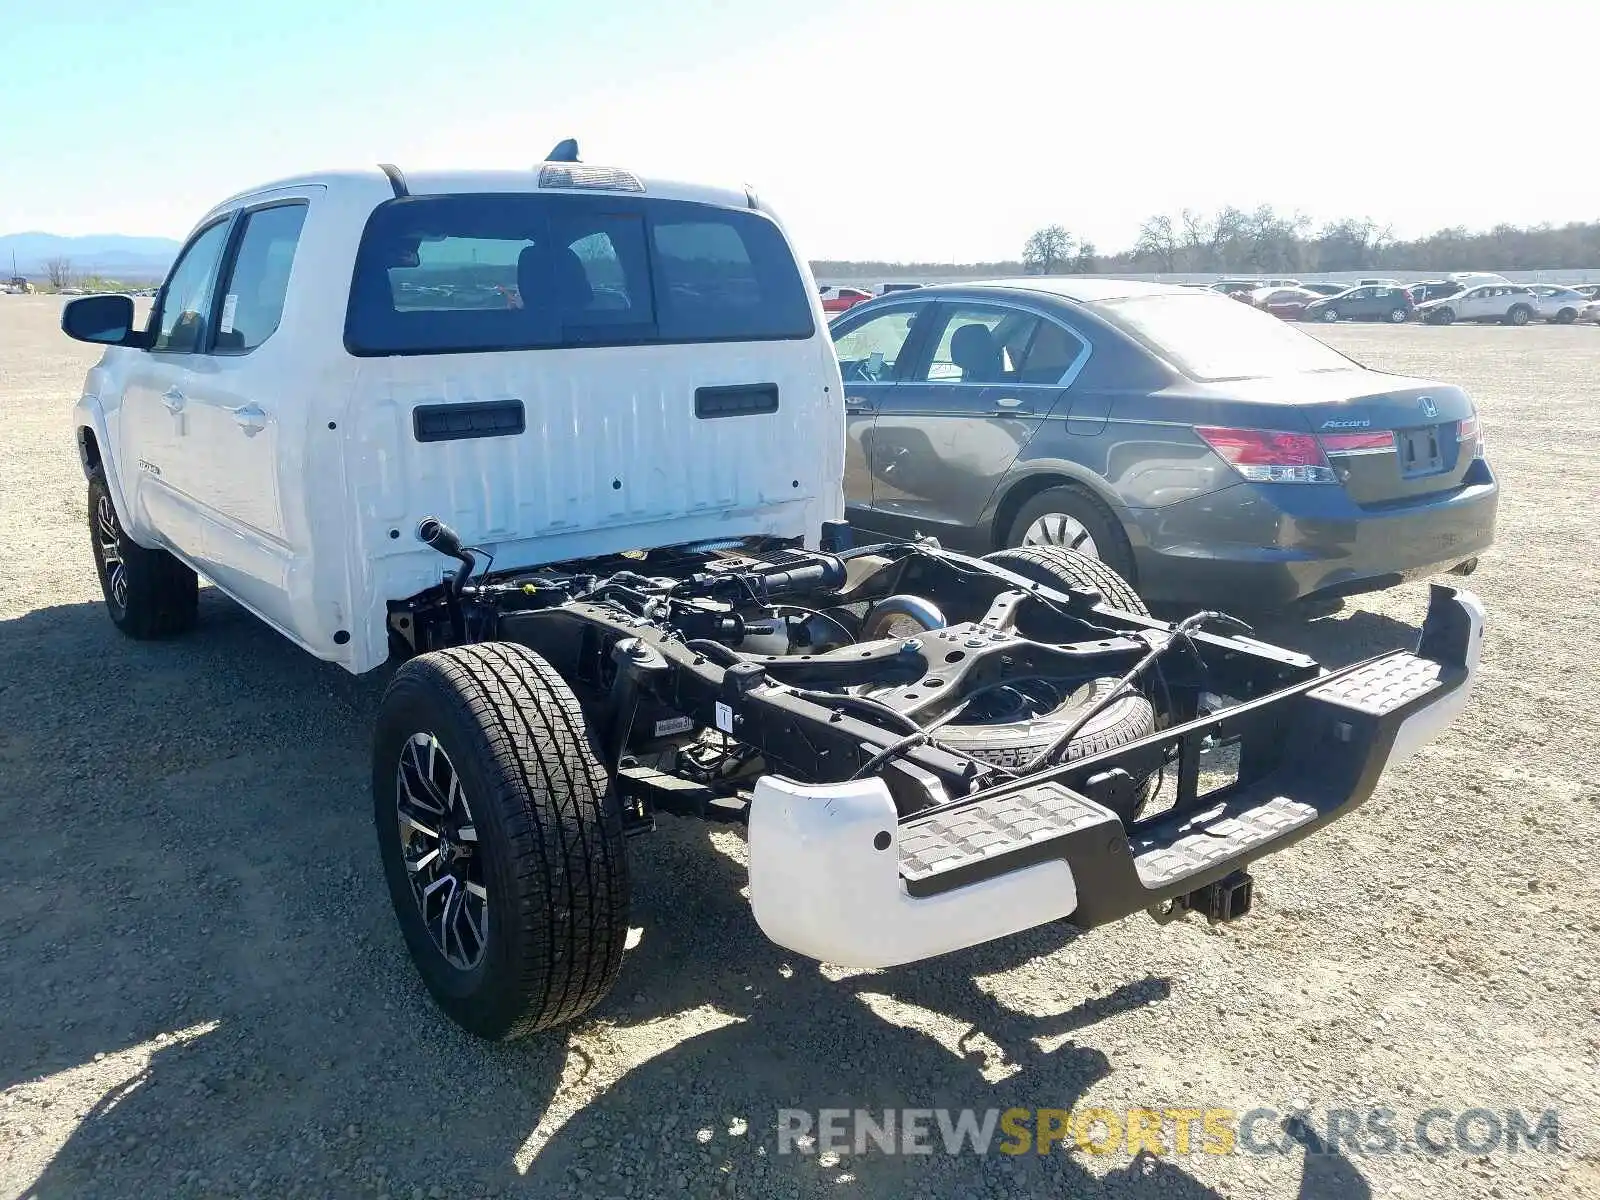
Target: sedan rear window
1211,338
511,271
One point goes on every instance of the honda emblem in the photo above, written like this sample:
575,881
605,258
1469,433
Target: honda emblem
1429,408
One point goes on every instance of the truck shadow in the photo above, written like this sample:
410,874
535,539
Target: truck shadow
189,847
1341,637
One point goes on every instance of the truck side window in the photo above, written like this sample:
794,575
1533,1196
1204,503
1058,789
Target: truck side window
252,297
185,304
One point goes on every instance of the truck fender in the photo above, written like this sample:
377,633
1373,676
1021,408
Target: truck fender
96,450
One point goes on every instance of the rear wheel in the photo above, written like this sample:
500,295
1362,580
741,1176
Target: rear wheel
1397,316
1330,315
1566,316
501,839
1519,314
1070,518
149,593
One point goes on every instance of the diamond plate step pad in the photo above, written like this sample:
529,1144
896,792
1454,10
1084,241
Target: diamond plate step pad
1162,859
985,830
1382,686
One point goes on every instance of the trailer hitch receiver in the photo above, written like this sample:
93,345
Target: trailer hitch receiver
1227,899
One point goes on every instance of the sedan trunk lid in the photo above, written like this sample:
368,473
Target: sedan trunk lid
1389,438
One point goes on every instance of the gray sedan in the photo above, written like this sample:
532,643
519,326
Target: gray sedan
1201,448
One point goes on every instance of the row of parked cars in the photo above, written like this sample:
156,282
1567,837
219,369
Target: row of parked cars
1470,297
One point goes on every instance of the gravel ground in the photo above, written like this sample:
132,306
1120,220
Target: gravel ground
204,991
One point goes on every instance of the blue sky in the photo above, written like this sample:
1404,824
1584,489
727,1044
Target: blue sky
879,128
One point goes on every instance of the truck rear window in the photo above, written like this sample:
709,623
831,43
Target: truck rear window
513,271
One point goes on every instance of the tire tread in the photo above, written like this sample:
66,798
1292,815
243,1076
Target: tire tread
163,592
1072,569
563,829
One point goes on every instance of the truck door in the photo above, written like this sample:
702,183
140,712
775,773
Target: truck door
240,428
157,424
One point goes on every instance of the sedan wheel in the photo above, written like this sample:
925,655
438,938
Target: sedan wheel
1397,316
1330,315
1058,529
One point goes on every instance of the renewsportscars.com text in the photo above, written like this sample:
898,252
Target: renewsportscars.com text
1164,1131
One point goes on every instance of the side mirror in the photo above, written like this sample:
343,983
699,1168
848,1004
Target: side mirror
102,321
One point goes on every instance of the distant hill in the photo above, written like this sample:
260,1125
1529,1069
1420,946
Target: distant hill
112,255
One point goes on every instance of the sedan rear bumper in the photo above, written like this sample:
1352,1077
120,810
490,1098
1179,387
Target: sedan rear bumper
1268,545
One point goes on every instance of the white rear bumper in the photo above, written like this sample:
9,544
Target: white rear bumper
825,881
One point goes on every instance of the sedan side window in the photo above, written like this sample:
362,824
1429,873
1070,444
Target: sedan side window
868,353
981,345
252,300
185,304
1051,355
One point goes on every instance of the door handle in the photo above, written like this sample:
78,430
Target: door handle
173,399
250,418
1007,405
858,404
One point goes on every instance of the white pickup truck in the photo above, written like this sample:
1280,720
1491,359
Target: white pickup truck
569,445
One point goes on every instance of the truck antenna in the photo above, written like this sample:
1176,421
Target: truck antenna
565,150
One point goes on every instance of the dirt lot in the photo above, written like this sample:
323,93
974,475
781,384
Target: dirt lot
204,992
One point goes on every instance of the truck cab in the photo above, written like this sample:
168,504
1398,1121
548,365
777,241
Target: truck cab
335,357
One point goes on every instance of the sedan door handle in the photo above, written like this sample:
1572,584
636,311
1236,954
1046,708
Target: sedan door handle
1007,405
250,418
173,399
858,404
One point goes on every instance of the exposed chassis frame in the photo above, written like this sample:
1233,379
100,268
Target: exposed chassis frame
624,666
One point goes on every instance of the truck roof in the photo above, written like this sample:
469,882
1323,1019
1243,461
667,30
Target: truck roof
373,181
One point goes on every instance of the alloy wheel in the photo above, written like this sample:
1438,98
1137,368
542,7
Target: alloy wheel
108,539
1058,529
439,844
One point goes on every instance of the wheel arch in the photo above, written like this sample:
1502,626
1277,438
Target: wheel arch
1014,493
97,452
89,456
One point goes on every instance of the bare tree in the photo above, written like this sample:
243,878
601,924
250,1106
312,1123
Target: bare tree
1197,231
58,271
1047,249
1158,240
1272,242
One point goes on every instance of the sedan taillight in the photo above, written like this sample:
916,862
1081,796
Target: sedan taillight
1358,443
1468,431
1270,456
